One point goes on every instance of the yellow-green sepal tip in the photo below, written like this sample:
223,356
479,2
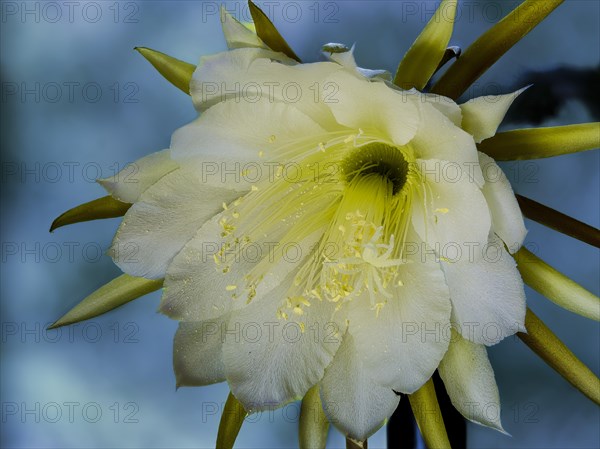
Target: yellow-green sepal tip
424,56
538,143
314,425
231,422
556,354
117,292
428,415
105,207
491,45
557,287
269,33
177,72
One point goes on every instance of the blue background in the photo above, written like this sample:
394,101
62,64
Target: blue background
120,364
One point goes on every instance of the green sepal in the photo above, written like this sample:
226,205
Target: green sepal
314,425
557,287
558,221
105,207
117,292
231,422
268,33
538,143
491,45
556,354
423,58
428,415
177,72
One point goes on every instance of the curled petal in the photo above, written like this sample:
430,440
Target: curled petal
481,116
134,179
470,382
507,220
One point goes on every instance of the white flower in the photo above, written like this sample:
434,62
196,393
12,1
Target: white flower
316,226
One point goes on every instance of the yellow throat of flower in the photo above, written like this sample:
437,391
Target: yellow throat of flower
352,192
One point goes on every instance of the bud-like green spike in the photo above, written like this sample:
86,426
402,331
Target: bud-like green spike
117,292
178,73
423,58
268,33
314,425
490,46
105,207
428,415
537,143
557,287
559,221
554,352
231,422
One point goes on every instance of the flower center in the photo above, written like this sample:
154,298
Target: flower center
377,158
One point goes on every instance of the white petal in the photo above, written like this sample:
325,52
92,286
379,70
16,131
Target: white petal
166,216
446,106
507,220
487,293
483,115
346,60
129,183
196,288
470,382
449,212
439,138
270,361
403,345
234,144
361,104
197,354
226,75
353,402
237,35
250,74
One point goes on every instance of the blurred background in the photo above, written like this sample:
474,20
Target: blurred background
77,103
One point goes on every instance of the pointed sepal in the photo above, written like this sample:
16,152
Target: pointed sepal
424,57
314,425
175,71
557,287
231,422
428,415
491,45
268,33
554,352
105,207
537,143
117,292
